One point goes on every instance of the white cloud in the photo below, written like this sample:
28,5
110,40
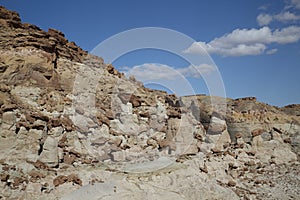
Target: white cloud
226,49
198,48
264,7
152,71
271,51
241,42
296,4
196,71
286,35
156,71
264,19
287,17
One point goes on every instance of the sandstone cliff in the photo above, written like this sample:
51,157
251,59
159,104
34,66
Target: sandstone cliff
73,127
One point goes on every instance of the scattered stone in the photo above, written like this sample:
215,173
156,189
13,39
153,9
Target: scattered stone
231,183
69,159
59,180
17,181
35,175
4,177
74,179
257,132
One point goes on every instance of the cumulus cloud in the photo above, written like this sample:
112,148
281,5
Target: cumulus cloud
241,42
286,35
152,71
264,19
285,17
156,71
226,49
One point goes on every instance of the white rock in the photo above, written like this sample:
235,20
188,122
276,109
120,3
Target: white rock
126,108
49,154
217,126
28,95
280,151
56,131
119,156
35,134
9,118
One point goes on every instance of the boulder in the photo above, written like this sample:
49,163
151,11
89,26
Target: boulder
216,126
49,154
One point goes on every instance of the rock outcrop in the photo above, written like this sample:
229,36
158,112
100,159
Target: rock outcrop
19,37
72,126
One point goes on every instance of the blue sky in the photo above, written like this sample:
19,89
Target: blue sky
254,43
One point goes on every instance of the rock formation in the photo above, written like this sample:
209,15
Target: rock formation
72,126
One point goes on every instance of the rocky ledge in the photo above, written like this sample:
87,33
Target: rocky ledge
18,36
74,127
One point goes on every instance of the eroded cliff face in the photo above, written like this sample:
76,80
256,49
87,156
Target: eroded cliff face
72,126
18,36
247,118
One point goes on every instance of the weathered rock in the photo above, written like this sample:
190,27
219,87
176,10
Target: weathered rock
257,132
231,183
18,35
59,180
35,175
49,154
216,126
9,119
69,119
275,149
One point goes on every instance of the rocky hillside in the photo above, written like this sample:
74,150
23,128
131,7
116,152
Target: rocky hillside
73,127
